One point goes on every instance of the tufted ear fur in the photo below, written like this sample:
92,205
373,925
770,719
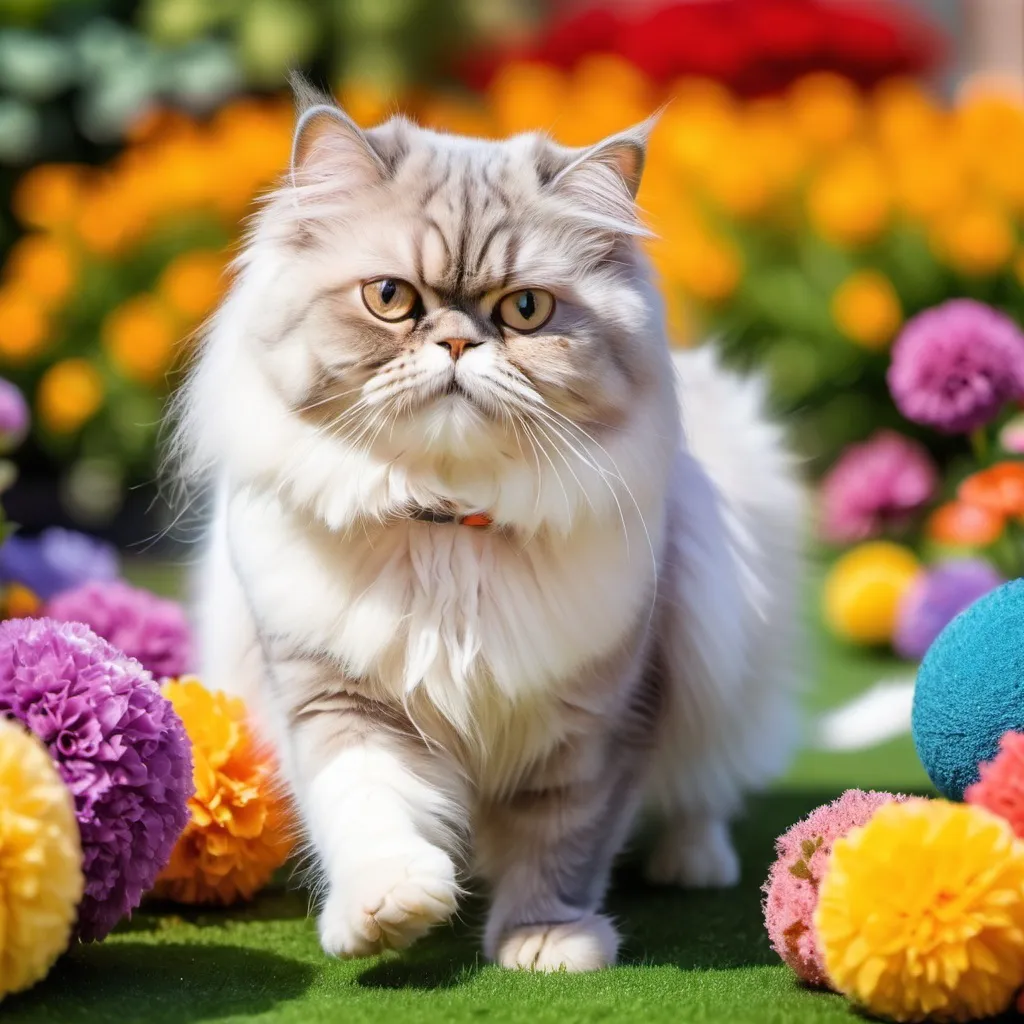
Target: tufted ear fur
328,144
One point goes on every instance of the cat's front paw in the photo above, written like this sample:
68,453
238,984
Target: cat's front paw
584,945
697,855
388,903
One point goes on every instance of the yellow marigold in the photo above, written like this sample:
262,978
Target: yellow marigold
40,860
24,327
921,913
238,835
866,308
739,184
864,588
104,222
606,95
139,336
192,283
48,196
976,239
781,154
695,125
44,265
928,183
849,202
526,96
905,116
70,393
826,109
707,267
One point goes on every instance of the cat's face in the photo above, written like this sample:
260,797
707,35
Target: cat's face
474,297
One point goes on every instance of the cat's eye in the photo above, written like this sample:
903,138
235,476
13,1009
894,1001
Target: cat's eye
526,310
390,298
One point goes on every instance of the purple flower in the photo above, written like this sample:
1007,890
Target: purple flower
13,416
119,746
56,560
875,485
955,366
936,598
150,629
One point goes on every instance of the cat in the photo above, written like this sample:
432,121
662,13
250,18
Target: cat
494,569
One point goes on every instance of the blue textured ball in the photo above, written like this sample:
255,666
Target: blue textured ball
970,689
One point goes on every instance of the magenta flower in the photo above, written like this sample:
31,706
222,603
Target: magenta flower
875,486
119,746
150,629
13,416
937,598
955,366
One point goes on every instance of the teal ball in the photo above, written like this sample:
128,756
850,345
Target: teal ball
970,690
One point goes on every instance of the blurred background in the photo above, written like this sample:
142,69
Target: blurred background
827,177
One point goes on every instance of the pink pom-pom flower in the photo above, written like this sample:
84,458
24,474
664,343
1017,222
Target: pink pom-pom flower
150,629
1001,786
791,892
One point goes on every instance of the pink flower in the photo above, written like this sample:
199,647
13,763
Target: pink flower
875,485
955,366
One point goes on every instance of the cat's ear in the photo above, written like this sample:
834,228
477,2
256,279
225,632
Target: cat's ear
328,144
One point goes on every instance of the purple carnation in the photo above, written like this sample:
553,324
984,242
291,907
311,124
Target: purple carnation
936,598
955,366
875,485
56,560
13,416
119,746
148,628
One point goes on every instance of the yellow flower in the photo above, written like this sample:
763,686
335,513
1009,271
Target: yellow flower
104,222
44,266
867,309
739,184
707,267
700,116
781,153
864,589
826,109
920,915
139,336
238,835
70,393
48,196
906,117
40,860
928,183
606,95
525,97
849,202
192,283
24,328
976,239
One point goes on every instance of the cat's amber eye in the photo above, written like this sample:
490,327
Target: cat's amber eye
390,298
526,310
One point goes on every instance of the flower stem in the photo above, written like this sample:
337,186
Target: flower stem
979,444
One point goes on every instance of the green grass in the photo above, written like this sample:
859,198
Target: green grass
688,957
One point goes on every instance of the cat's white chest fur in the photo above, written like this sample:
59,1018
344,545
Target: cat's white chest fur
466,614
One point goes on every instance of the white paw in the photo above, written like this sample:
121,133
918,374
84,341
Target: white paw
698,855
585,945
389,903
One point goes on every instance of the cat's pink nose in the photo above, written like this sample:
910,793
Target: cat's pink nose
456,346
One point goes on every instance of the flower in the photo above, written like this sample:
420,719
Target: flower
876,485
791,892
1011,437
936,598
13,416
56,560
19,602
975,240
70,393
47,196
192,283
958,524
139,336
150,629
40,861
24,327
1001,786
826,109
921,913
238,835
849,202
44,266
864,589
119,747
866,308
1000,489
955,366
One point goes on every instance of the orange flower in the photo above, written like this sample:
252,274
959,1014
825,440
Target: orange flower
44,266
998,489
48,196
238,835
849,203
525,97
960,524
826,109
69,394
24,328
867,309
976,239
193,282
20,602
139,337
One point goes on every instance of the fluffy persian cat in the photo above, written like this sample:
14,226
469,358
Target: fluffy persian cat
494,569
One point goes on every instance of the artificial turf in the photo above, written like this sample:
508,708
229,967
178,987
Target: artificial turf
687,957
